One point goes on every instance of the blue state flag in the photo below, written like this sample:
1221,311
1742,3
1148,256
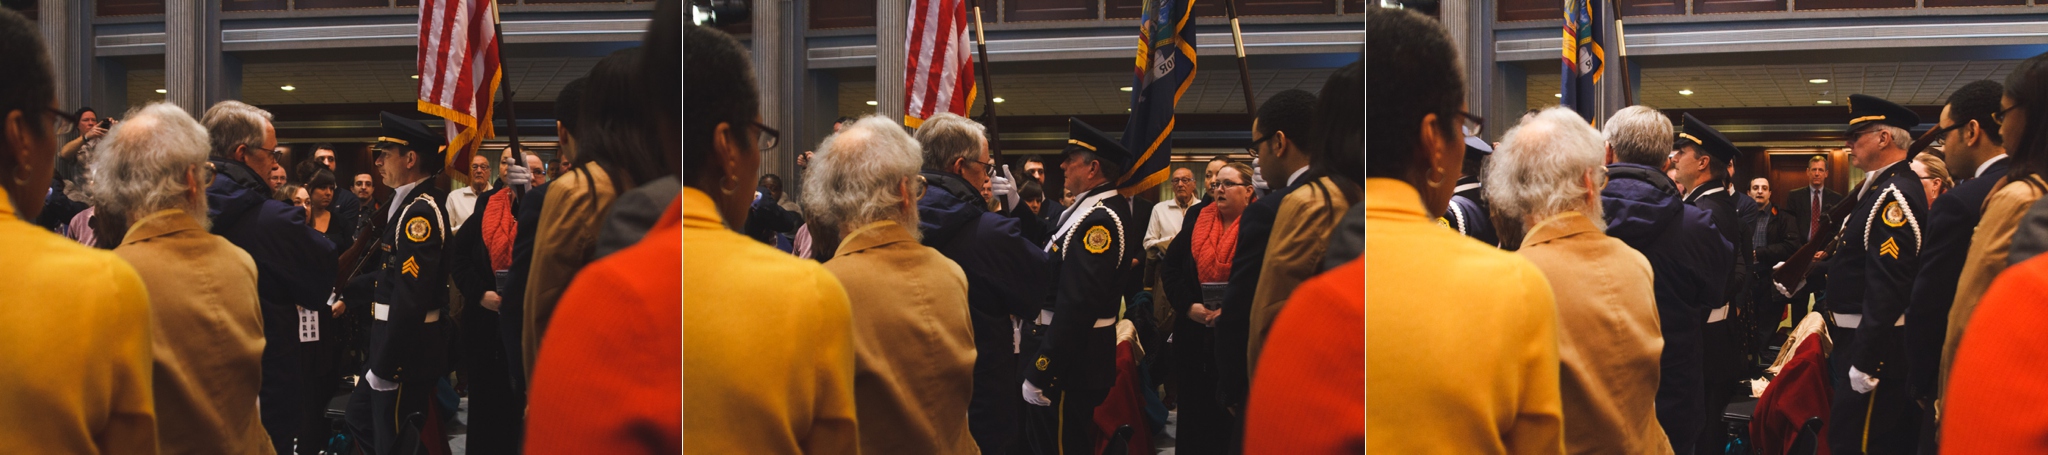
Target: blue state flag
1584,57
1163,70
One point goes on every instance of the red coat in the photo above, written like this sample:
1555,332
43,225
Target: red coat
1125,405
1800,392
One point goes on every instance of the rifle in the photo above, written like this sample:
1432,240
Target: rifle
352,261
1792,275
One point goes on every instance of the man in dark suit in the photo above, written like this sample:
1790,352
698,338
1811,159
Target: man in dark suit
1975,154
1869,285
1072,356
1702,164
1805,206
1279,136
407,297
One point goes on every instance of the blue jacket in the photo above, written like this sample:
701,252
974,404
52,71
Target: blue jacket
1006,274
1951,224
298,262
1691,263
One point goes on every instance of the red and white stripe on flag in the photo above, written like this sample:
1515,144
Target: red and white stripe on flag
459,74
941,66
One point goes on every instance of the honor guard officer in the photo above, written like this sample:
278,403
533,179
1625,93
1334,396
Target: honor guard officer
1870,283
1467,212
408,349
1073,366
1702,164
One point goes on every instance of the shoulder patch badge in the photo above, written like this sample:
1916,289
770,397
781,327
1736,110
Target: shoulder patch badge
1097,239
1042,363
1894,215
417,229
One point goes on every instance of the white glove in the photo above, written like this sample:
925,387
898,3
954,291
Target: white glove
1034,396
379,384
1005,185
517,175
1862,383
1258,177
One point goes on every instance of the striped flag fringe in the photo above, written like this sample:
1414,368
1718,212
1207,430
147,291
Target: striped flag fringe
459,73
940,75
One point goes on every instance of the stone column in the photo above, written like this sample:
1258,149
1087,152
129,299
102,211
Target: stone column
192,57
767,49
891,18
58,20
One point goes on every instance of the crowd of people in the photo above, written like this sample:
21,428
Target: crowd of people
178,288
1577,290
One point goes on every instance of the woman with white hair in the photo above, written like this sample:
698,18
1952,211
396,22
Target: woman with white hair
206,323
1548,174
913,348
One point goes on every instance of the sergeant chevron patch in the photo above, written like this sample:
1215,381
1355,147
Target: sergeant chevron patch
1890,248
410,268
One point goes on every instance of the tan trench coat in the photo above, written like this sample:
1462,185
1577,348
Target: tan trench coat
1301,234
913,345
1989,245
1608,340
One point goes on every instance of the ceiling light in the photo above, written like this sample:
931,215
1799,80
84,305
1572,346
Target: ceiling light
1824,102
415,76
1125,89
1818,81
1560,95
162,91
288,88
999,99
872,103
1685,92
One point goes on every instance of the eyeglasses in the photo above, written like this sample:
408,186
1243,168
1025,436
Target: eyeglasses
2000,115
1253,149
1230,184
1941,135
987,167
60,121
917,187
1471,125
480,167
768,136
1183,179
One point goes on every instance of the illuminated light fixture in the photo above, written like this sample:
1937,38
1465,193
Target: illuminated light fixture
288,88
1685,92
999,99
162,91
415,76
1125,89
872,103
1560,95
1817,81
1824,102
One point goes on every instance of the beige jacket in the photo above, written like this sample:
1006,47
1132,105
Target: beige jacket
2003,211
1608,340
563,242
207,337
913,346
1295,251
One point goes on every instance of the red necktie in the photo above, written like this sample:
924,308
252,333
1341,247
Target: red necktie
1813,227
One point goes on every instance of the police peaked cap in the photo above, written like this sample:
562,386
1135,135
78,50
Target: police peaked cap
1696,133
1865,110
414,135
1084,138
1477,148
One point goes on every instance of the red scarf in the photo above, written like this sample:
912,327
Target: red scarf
1215,243
499,229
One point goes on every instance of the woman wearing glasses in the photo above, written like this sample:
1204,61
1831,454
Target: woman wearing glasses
1196,270
74,359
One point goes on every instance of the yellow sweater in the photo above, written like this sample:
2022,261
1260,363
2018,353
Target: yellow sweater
767,345
74,346
1460,339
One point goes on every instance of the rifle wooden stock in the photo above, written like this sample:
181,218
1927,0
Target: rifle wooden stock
1792,275
351,261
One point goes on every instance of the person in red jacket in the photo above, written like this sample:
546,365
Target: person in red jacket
1309,394
1996,395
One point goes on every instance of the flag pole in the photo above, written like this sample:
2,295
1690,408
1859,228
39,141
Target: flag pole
988,104
505,83
1628,95
1244,72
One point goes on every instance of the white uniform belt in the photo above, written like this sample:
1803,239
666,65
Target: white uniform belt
1718,315
1045,318
383,313
1847,321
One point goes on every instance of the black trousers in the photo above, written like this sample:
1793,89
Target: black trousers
1723,368
383,421
1884,420
1068,426
496,412
992,412
320,369
280,398
1202,427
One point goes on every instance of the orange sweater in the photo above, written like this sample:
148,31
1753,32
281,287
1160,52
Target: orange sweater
610,377
1997,398
1309,394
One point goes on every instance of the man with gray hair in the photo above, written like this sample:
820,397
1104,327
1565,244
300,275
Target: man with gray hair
1006,273
865,183
1870,284
205,319
1548,174
1686,254
297,261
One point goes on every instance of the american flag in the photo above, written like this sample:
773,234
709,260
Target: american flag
941,70
459,74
